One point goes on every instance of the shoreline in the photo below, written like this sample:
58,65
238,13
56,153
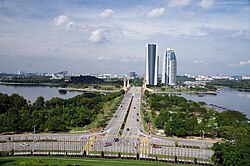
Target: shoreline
28,84
189,92
87,90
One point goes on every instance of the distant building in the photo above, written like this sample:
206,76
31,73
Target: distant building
203,78
64,73
21,73
131,74
169,67
56,76
246,77
152,64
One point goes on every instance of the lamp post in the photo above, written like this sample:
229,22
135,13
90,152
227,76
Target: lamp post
35,128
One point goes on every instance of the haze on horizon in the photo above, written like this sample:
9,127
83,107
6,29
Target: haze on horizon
109,36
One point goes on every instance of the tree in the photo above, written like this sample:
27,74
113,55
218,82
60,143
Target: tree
162,118
167,128
39,103
55,124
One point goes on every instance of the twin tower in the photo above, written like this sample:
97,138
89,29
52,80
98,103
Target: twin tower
169,66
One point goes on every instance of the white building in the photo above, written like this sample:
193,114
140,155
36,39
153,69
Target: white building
246,77
169,67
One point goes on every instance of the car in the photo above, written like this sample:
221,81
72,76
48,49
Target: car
156,146
25,144
137,120
127,129
115,116
116,139
85,138
137,113
107,144
134,108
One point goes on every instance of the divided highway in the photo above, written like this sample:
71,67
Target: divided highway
134,124
116,122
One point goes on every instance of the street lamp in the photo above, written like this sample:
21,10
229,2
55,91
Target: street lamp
35,128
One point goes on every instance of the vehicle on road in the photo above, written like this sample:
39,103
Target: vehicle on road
107,144
127,129
116,139
156,146
25,144
85,138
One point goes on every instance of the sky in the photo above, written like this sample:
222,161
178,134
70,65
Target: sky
209,37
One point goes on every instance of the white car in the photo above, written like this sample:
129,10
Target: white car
24,144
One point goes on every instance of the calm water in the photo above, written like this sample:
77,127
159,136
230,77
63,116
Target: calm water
228,98
32,92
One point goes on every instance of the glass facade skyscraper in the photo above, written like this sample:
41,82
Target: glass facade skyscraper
152,64
169,67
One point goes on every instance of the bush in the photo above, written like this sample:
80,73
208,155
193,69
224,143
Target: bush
102,154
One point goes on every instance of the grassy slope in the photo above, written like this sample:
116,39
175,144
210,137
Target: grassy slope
11,161
107,108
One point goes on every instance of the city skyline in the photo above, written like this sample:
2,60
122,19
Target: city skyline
211,36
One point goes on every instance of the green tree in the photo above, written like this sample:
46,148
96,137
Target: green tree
39,103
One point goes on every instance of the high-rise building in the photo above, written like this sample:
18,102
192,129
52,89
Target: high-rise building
152,64
131,74
169,67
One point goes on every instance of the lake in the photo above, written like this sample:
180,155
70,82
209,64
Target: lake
32,92
228,98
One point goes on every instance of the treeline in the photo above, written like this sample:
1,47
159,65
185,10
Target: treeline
18,115
85,80
31,79
240,84
184,78
68,81
181,117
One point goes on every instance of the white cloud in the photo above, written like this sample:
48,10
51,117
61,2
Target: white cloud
60,20
156,12
103,58
131,59
241,35
200,62
70,24
206,4
179,3
107,13
97,36
242,63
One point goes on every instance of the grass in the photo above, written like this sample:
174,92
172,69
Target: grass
3,141
145,125
109,108
11,161
179,157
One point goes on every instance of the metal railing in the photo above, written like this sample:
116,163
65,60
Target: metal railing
137,149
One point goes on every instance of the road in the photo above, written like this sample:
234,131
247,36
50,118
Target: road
131,140
134,124
116,122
